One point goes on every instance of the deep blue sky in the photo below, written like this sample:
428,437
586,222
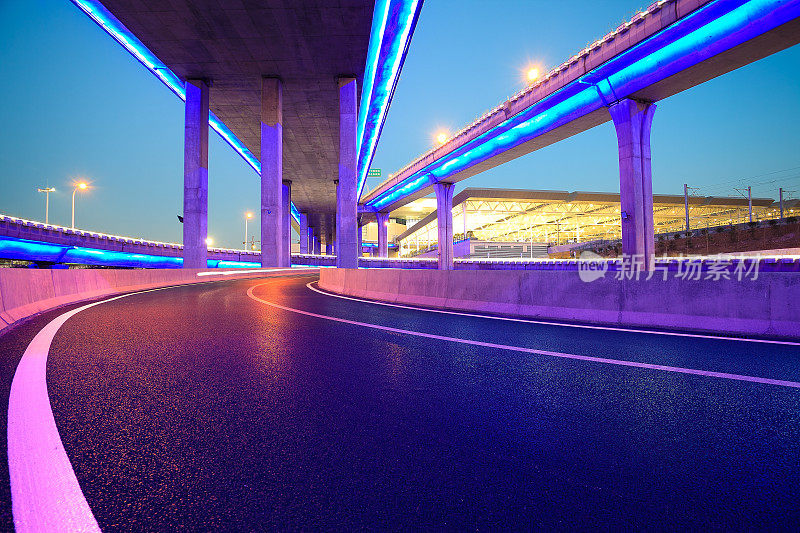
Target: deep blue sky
75,104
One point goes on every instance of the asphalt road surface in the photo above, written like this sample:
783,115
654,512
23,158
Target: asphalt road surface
208,408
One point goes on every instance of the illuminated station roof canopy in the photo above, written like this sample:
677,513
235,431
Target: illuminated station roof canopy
559,216
307,43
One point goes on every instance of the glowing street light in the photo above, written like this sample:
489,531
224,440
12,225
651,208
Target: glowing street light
47,191
442,137
247,216
533,74
78,186
209,241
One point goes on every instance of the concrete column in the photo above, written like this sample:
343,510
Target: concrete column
328,248
271,171
317,245
286,223
360,231
347,188
444,221
304,233
195,175
632,121
310,239
383,234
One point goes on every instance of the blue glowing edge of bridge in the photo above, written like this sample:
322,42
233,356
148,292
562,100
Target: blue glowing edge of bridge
714,28
389,39
393,23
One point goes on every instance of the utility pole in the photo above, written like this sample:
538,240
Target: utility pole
749,201
780,200
686,203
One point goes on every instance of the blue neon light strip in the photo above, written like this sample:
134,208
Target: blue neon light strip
393,23
718,26
26,250
103,18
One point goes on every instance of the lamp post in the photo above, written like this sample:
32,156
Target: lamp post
247,217
47,191
80,186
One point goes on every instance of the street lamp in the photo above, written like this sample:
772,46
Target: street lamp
209,242
80,186
47,191
247,216
441,137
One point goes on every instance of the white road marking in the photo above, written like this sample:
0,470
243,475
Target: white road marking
45,494
560,324
605,360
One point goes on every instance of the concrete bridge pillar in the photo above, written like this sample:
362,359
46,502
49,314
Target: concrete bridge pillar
317,246
383,234
360,231
195,175
304,233
444,221
271,171
286,224
632,121
347,186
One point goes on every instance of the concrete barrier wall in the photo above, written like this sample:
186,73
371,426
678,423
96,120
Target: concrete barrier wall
765,306
28,292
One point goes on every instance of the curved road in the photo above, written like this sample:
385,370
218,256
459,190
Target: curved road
263,404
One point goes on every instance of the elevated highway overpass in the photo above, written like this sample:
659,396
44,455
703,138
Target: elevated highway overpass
281,83
670,47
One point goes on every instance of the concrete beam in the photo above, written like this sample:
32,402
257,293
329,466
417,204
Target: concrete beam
444,216
271,172
383,234
195,175
347,186
632,121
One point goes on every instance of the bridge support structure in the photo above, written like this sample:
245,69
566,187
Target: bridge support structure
286,224
195,175
632,121
347,184
271,171
304,233
360,231
444,222
383,234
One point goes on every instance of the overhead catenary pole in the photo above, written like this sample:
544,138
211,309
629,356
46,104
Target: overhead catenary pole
686,203
750,203
780,200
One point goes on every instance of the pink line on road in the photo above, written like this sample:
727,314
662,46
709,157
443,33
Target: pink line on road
45,494
605,360
559,324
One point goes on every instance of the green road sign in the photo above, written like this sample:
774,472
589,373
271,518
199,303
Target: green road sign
374,173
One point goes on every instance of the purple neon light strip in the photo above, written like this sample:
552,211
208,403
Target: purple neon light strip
534,351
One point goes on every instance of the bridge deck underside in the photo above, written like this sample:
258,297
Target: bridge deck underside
307,43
